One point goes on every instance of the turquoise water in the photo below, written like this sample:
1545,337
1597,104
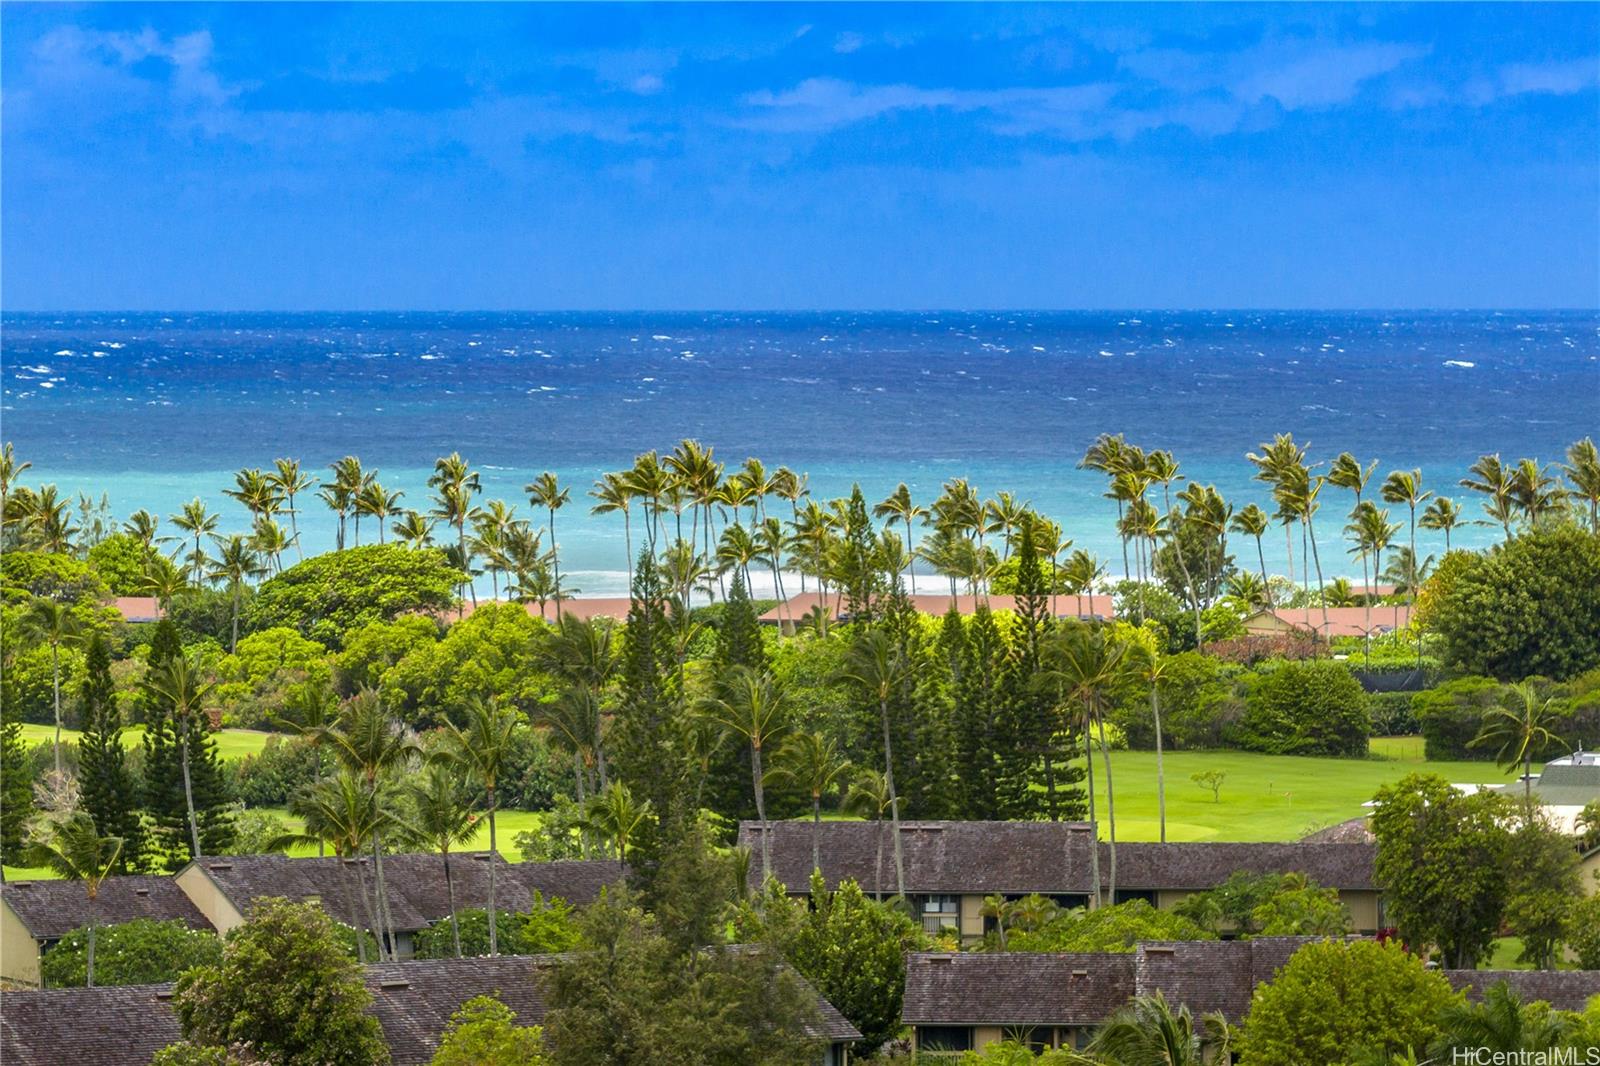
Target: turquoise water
156,409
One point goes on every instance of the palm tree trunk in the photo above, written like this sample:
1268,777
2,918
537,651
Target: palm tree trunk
450,894
361,941
494,916
1111,810
385,931
877,867
816,831
234,648
1094,824
55,682
1161,773
761,813
371,911
894,800
89,981
1322,592
555,561
188,790
1266,586
627,546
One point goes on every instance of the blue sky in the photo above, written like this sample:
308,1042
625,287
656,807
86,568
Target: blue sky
190,156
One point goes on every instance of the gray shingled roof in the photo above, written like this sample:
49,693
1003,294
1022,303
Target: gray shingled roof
1046,857
121,1026
51,909
1015,988
415,883
1562,989
412,1000
1010,857
1209,863
1210,975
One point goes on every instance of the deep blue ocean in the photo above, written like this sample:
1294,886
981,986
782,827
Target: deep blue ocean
154,409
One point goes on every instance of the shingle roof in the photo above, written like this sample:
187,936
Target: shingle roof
120,1026
1011,857
1562,989
1045,857
51,909
415,884
1206,864
412,1001
1210,975
1015,988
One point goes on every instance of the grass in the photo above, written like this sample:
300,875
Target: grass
231,743
1264,797
507,825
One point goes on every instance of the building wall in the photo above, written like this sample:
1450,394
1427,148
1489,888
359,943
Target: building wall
19,951
1589,872
971,918
209,899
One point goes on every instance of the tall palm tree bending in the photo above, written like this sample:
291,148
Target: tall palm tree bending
479,750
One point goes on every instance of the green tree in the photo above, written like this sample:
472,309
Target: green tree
754,707
1301,908
110,792
74,850
141,952
1306,708
1442,865
329,595
440,817
1114,928
1501,1023
1544,891
287,988
851,948
55,625
1335,1002
235,564
182,729
16,788
1530,606
873,669
615,817
479,751
812,763
1520,728
484,1032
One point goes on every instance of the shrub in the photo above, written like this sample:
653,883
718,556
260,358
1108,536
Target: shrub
1584,935
24,575
1390,714
1309,708
124,563
141,952
1530,606
1118,928
484,1033
1451,715
1336,1002
269,777
328,595
546,928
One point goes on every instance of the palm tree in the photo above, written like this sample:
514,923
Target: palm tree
1003,515
144,527
1147,1032
1405,486
1503,1024
270,540
615,497
871,797
290,481
874,667
1252,521
440,819
236,563
340,494
1163,471
574,720
344,813
257,491
651,482
1282,464
615,816
312,706
74,850
814,764
414,529
177,685
1084,665
481,751
10,471
1443,515
1246,587
454,484
1495,482
378,503
367,742
1082,573
1536,492
1150,667
48,622
1583,471
544,491
753,705
1372,532
1524,725
164,583
198,522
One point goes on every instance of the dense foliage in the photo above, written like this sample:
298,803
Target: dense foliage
484,1032
328,595
1311,708
141,952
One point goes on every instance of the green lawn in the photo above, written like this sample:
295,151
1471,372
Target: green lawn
507,825
231,743
1265,797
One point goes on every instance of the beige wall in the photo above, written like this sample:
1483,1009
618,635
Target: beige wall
1589,871
208,898
19,951
971,918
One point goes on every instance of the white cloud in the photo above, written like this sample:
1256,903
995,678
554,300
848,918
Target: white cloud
848,42
1561,79
818,104
1296,74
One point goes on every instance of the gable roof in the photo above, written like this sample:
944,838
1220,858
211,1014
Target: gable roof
1015,988
965,857
1562,989
51,909
413,1001
116,1026
1340,621
415,884
1048,857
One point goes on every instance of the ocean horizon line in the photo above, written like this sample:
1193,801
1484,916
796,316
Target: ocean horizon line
1241,309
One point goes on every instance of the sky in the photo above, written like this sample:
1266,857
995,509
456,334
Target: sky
773,156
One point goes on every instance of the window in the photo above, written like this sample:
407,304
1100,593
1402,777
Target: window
944,1038
940,911
1130,894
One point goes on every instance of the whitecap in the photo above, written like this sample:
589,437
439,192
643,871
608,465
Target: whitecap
113,344
37,369
1038,347
66,351
1460,363
659,337
101,355
430,356
1105,353
47,384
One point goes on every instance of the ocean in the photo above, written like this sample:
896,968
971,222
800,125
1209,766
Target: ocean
154,409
